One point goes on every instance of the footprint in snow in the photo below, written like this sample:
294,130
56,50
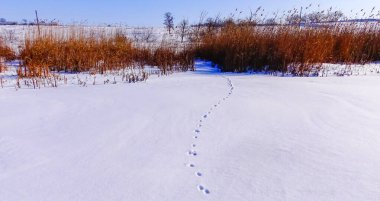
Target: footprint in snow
198,174
192,153
193,145
205,116
191,165
203,189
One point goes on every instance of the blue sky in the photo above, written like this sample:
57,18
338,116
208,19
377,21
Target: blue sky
150,12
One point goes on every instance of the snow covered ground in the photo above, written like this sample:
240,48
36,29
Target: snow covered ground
194,136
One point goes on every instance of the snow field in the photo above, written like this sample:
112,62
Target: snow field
200,135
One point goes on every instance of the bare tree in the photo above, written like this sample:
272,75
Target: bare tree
169,21
143,34
330,16
315,17
334,16
196,32
295,19
136,35
183,28
148,35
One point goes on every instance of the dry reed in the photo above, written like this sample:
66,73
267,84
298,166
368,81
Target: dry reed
289,48
6,54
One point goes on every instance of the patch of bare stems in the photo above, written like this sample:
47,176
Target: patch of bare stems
294,43
6,54
96,51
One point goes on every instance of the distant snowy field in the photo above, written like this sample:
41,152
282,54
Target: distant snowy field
191,136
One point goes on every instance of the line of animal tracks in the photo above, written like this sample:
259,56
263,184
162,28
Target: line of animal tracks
197,137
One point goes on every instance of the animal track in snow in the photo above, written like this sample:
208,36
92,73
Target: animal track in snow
197,131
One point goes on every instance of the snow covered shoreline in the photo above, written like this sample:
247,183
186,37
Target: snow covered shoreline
8,79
